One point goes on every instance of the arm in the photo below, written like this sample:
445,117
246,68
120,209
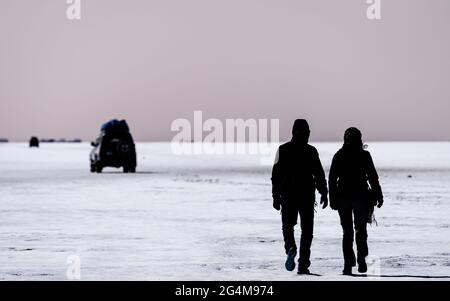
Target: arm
276,182
321,182
332,182
319,175
373,179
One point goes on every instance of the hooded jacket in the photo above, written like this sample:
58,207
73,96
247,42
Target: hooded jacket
352,171
298,172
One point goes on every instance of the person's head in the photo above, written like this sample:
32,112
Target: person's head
300,131
353,138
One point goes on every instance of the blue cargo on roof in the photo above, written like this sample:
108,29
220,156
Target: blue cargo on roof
115,125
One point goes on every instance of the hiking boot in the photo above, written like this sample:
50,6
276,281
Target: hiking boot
303,271
362,265
347,269
290,261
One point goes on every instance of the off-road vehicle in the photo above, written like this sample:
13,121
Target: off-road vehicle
114,148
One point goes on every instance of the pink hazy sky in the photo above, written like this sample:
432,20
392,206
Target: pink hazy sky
152,61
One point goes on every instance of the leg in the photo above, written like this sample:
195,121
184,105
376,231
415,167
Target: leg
307,226
361,219
289,220
345,215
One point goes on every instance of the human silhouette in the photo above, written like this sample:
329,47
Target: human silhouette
296,175
352,171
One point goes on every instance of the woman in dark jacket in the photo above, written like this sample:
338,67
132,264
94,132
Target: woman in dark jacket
351,173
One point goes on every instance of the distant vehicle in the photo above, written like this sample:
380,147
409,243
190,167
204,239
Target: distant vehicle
34,142
4,140
114,148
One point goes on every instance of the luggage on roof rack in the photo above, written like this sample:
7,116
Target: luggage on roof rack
115,125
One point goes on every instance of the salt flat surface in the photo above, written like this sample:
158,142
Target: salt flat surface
206,217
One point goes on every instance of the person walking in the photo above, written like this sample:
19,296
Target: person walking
354,192
296,175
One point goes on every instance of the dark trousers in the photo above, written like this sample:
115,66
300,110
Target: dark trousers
360,214
289,216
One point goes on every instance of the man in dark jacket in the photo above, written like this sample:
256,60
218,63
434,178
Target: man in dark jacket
296,175
351,172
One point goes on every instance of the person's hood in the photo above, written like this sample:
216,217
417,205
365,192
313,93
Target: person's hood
353,139
300,131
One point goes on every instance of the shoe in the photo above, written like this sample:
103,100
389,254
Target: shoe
303,271
347,270
362,265
290,261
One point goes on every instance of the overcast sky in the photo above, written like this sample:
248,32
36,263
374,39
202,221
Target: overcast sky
152,61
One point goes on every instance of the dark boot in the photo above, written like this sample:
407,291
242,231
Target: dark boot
347,269
290,261
362,265
303,271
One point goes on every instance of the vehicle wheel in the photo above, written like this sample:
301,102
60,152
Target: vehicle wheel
92,167
125,169
133,169
98,168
